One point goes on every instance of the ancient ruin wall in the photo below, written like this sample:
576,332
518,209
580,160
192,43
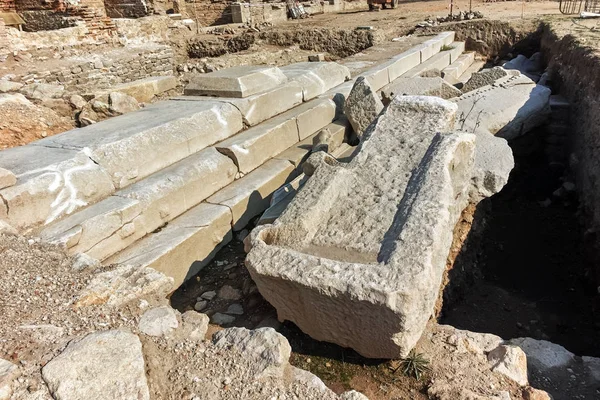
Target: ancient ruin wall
125,66
574,69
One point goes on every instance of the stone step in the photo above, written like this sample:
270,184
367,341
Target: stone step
316,78
382,74
241,81
144,90
297,153
262,106
183,247
116,222
58,175
249,196
438,61
452,72
475,67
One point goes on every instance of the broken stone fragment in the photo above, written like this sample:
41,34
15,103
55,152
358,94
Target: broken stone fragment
483,78
269,350
368,241
510,361
8,86
8,373
82,261
159,321
105,106
493,163
222,319
124,284
362,106
42,91
7,178
194,326
102,365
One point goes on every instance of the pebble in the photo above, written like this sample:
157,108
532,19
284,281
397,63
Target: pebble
229,293
222,319
200,305
208,295
235,309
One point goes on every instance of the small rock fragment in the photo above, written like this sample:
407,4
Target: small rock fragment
362,106
510,361
194,325
229,293
82,261
209,295
235,309
200,305
221,319
159,321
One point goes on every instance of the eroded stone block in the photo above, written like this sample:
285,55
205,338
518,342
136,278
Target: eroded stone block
358,256
241,81
316,77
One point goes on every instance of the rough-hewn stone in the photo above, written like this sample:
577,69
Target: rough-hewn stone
102,365
362,106
358,256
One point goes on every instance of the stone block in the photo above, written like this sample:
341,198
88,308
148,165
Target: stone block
316,77
256,145
116,222
183,247
260,107
357,257
452,72
509,108
439,61
432,46
249,196
378,76
297,153
362,106
144,90
51,183
135,145
434,86
241,81
456,50
403,63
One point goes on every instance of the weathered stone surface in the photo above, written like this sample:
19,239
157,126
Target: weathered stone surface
183,247
158,321
8,86
242,81
106,106
102,365
256,145
41,91
483,78
433,46
316,77
493,162
124,284
509,108
510,361
135,145
403,63
144,90
530,393
222,319
269,350
7,178
543,355
362,106
51,183
353,395
531,67
8,373
194,326
313,116
280,200
357,257
592,365
250,195
419,86
453,71
438,61
82,261
377,77
114,223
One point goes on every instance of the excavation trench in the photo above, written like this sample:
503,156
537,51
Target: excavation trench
525,267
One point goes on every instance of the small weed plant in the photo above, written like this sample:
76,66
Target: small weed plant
415,365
